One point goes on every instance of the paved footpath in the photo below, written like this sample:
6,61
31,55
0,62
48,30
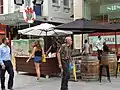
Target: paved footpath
25,82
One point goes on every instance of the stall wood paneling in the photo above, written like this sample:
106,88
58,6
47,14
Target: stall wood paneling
48,68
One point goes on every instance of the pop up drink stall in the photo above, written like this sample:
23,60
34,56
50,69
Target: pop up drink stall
21,49
50,67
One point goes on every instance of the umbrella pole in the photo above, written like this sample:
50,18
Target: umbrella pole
116,53
46,42
82,41
116,44
29,35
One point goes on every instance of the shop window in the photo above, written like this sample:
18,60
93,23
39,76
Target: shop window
66,3
55,1
19,2
27,3
67,6
56,5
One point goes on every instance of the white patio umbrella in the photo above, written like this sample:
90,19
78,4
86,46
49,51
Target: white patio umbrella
44,29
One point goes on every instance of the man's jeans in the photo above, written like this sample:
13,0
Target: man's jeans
9,69
65,75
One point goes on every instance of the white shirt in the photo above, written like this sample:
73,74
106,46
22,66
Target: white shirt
99,44
4,53
86,48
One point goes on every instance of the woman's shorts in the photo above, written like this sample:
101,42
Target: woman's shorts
37,59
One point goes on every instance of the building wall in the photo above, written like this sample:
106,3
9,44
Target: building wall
58,12
78,9
87,11
82,9
53,12
78,13
10,7
5,6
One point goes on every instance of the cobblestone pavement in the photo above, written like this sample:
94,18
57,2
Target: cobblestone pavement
25,82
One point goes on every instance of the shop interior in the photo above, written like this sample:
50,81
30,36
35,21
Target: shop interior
102,10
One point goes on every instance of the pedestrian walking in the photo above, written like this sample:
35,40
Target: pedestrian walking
5,62
64,58
37,52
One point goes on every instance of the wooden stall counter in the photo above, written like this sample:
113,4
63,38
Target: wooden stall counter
48,68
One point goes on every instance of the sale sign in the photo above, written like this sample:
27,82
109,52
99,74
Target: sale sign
109,38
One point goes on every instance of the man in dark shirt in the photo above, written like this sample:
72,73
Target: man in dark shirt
52,48
105,47
64,57
105,50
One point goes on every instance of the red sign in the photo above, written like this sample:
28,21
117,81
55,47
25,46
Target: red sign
2,31
109,38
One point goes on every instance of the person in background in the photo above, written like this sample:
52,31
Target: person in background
99,46
37,52
104,65
52,48
64,57
5,62
86,48
105,48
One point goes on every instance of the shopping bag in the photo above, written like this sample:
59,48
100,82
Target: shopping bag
43,58
70,66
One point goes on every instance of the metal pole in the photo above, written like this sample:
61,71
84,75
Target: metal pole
116,44
29,35
82,41
46,42
116,52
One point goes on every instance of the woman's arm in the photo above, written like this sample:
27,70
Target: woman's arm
48,50
33,52
43,51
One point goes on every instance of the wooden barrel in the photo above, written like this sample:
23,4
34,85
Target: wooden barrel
111,61
89,68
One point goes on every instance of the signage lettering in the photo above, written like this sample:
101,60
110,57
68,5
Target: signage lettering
109,39
114,7
108,8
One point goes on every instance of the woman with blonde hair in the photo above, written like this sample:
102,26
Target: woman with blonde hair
37,52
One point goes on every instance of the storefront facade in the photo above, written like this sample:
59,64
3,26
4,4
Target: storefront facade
98,10
102,11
